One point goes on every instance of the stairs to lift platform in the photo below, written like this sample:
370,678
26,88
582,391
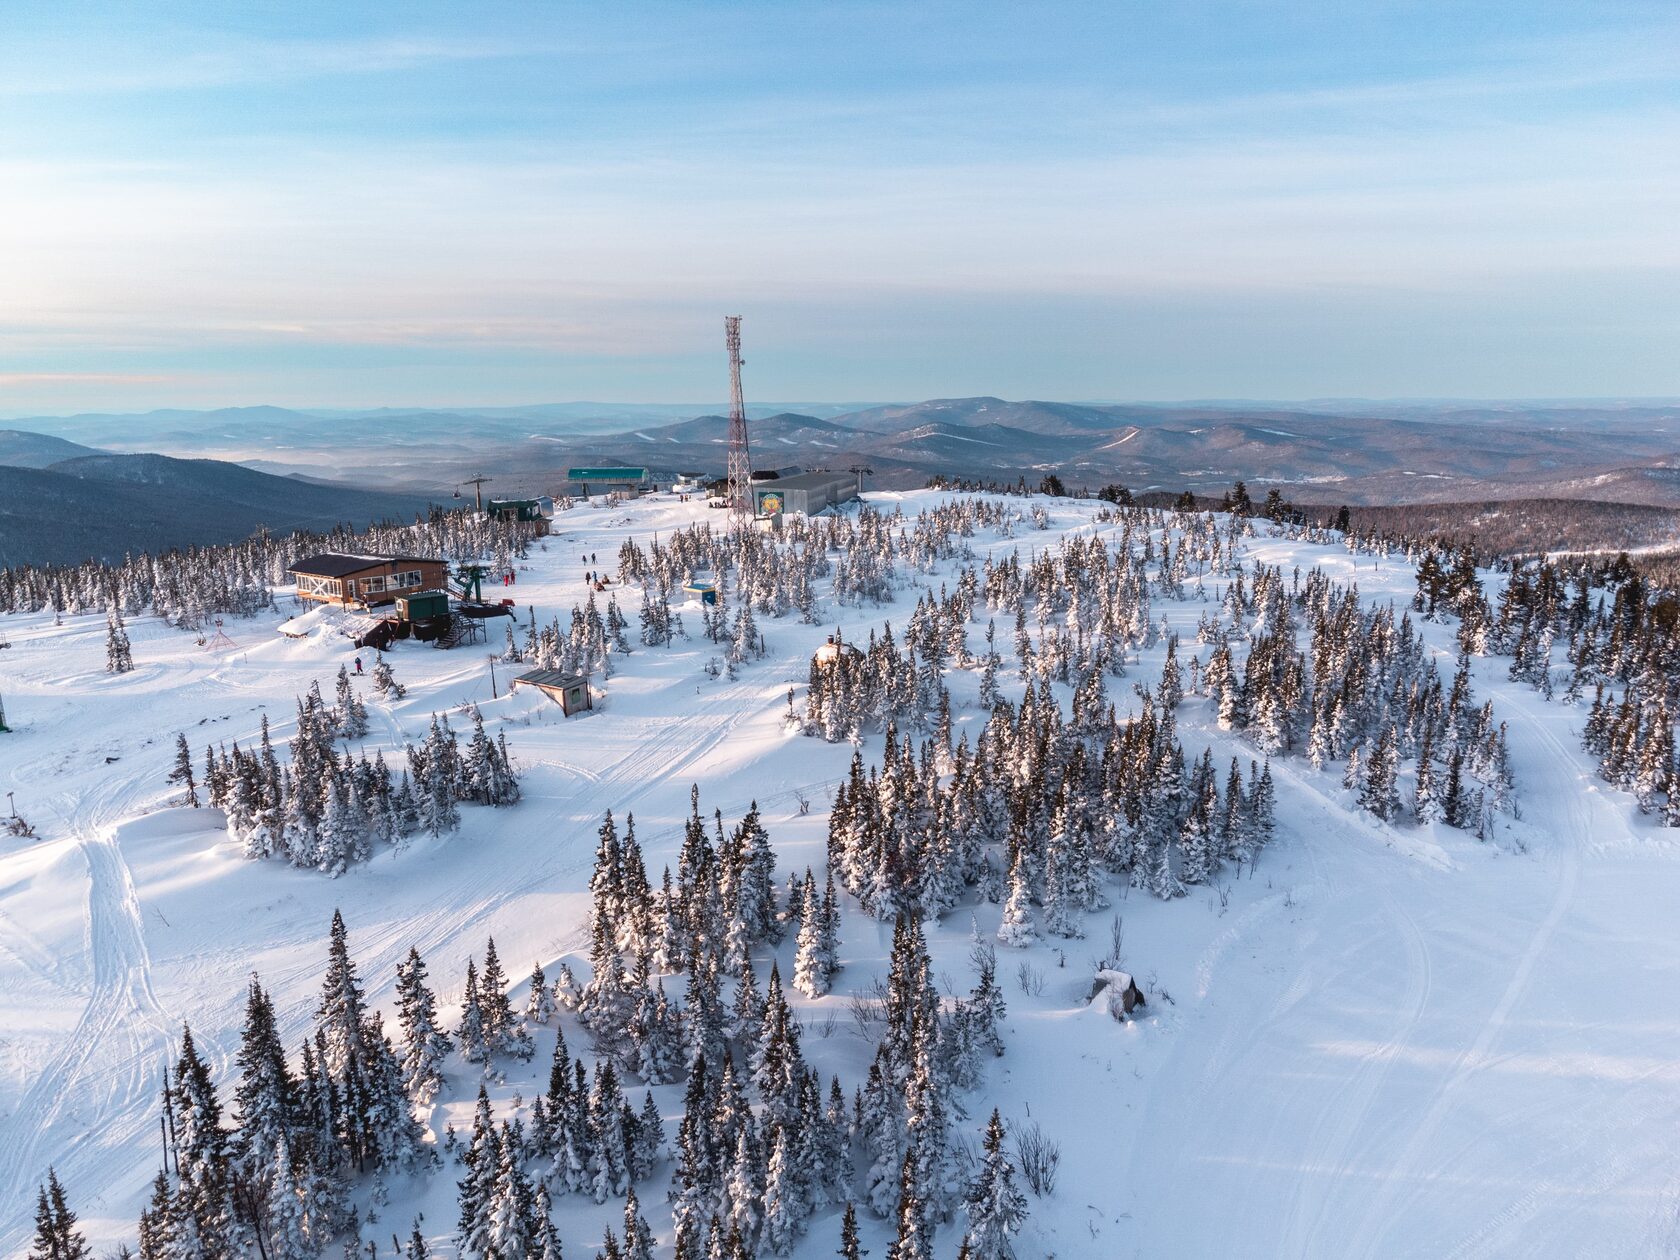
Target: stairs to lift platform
461,630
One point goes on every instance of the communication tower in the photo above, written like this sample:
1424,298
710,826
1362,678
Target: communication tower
740,462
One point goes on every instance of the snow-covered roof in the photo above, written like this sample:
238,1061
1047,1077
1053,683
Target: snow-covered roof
301,625
833,650
809,481
550,678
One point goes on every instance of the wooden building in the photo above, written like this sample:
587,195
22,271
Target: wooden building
569,691
366,581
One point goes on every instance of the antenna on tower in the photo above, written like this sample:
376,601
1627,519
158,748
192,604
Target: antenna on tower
740,462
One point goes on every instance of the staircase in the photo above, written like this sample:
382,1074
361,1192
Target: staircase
459,632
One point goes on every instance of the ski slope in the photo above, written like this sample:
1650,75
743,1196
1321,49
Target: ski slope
1386,1042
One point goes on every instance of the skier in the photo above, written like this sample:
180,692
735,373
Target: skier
358,666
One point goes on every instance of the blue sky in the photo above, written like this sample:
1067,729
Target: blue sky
328,204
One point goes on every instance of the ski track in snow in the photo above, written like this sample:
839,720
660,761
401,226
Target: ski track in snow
121,1006
1569,802
25,949
1339,1112
1406,1172
1347,1111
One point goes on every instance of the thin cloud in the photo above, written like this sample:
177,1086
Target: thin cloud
223,61
83,378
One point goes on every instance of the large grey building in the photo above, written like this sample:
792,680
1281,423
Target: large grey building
809,492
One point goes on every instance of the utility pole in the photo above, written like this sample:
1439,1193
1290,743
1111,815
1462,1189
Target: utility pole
477,483
740,461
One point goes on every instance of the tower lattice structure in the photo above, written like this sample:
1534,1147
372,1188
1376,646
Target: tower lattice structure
740,461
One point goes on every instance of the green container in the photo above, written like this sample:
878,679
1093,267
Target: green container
423,604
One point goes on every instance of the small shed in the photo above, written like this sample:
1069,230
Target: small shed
836,650
703,589
372,632
569,691
1116,991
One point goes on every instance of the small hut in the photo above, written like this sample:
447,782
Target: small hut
1116,991
835,651
703,589
569,691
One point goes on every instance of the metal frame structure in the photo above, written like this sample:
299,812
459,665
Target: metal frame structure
740,460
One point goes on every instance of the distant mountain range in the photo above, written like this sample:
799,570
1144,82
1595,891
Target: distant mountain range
1625,453
37,450
101,505
1323,451
282,428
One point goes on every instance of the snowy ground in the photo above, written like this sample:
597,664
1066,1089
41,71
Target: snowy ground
1390,1042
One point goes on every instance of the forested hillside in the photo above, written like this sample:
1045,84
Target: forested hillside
98,506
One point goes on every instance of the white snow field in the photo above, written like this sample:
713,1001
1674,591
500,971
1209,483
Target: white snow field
1392,1041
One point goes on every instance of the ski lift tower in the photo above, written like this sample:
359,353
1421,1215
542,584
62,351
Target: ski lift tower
469,580
740,462
477,483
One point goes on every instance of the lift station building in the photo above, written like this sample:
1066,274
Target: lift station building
624,480
807,493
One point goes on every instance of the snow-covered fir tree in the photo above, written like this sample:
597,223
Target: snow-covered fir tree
57,1236
425,1045
119,656
995,1206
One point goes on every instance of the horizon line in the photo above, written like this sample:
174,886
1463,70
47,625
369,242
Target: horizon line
326,410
